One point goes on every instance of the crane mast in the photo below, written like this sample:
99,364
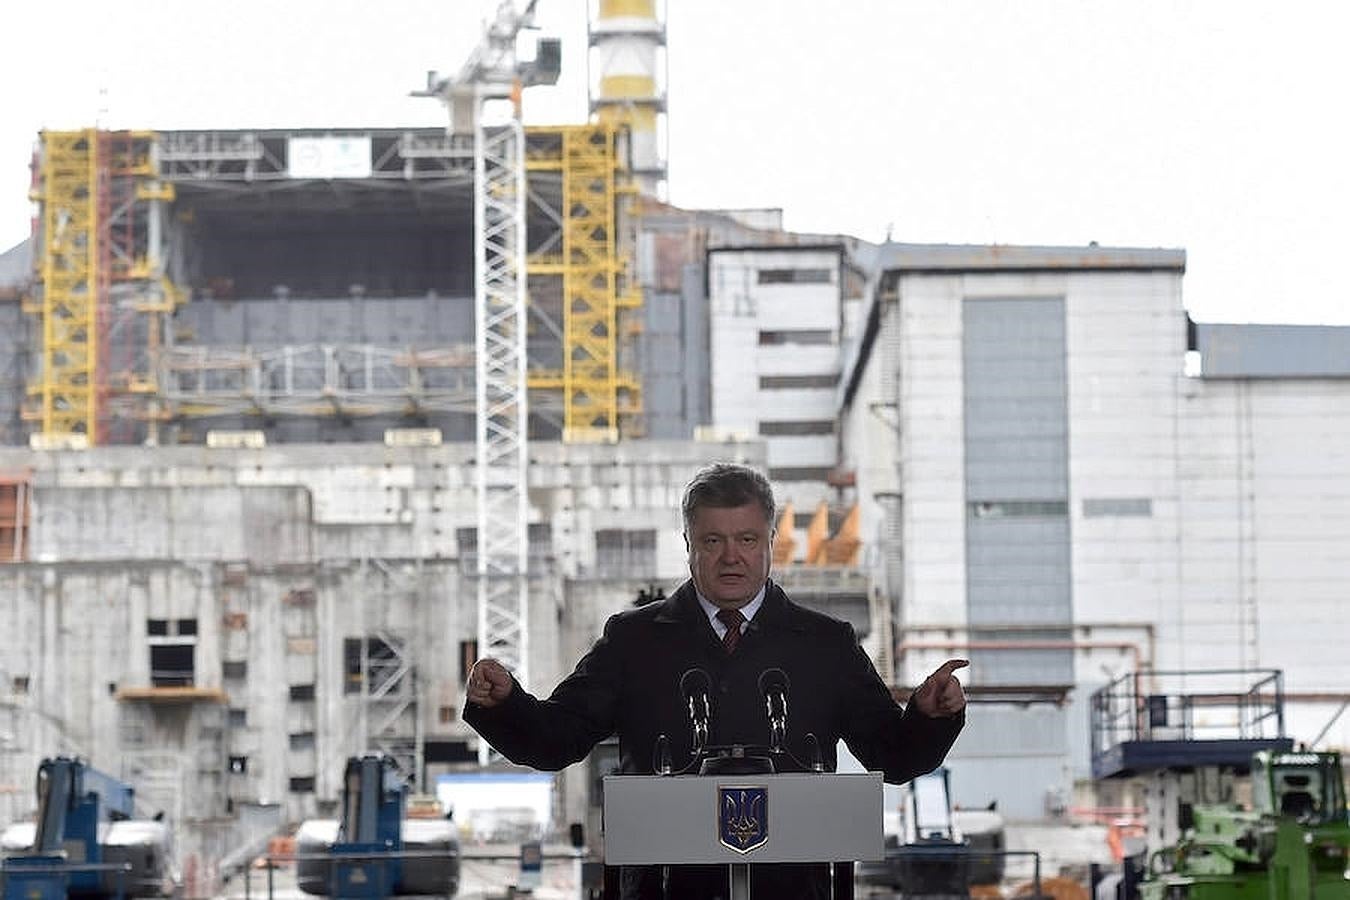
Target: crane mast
493,73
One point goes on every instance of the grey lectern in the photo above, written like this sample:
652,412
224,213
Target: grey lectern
737,820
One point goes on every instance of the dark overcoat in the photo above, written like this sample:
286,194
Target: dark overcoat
629,684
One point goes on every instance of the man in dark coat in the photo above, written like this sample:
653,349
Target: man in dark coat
732,622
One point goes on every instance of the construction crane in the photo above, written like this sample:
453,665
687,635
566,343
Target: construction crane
493,73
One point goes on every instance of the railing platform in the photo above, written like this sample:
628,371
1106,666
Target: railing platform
1150,721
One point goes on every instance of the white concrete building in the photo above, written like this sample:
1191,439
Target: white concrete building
1051,496
777,319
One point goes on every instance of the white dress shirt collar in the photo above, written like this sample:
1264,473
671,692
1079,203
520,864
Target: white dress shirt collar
748,610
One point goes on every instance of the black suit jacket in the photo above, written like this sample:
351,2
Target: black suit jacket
629,684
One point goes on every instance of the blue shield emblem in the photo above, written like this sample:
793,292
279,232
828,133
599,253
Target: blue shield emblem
742,817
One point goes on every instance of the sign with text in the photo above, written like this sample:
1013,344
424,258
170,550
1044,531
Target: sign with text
329,156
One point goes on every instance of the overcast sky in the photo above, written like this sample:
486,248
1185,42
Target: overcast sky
1217,127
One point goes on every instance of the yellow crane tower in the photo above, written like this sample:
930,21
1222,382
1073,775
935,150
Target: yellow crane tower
99,288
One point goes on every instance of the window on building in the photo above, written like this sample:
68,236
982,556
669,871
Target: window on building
800,473
15,512
303,784
238,765
171,665
173,646
19,684
466,542
234,668
302,740
238,717
796,336
302,596
302,692
449,752
382,666
468,655
1117,506
541,540
797,382
540,544
466,539
998,509
796,276
621,553
797,429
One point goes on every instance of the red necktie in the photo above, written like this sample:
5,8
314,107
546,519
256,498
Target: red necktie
731,618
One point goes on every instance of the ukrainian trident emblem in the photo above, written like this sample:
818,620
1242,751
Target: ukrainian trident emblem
742,817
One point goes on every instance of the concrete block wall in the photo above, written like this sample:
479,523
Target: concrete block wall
279,555
1266,536
742,308
1206,515
932,432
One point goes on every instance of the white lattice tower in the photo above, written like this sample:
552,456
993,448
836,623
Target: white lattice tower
503,535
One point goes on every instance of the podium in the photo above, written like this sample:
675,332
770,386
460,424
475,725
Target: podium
737,820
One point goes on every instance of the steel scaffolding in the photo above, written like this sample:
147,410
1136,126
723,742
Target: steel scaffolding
68,283
594,265
315,380
101,292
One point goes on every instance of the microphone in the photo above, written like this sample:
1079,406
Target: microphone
813,750
775,685
696,688
661,756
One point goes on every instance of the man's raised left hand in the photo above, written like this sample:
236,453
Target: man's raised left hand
940,695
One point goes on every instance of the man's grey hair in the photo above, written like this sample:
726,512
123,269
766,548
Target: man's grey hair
725,485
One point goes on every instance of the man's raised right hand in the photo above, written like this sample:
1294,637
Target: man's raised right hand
489,683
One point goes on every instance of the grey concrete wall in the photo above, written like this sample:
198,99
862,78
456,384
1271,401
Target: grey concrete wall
417,321
15,342
280,556
1014,756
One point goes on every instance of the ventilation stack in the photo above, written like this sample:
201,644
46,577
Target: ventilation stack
628,42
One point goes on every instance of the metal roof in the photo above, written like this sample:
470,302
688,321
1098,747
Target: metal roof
1273,351
911,258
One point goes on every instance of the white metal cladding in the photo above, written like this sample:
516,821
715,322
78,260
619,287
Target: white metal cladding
773,315
1015,756
503,550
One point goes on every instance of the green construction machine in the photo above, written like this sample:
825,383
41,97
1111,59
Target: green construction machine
1293,843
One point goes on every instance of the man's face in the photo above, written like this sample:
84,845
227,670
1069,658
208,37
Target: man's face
730,549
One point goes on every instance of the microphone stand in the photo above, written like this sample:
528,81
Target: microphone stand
777,713
737,759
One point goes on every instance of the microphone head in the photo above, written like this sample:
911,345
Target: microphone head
695,681
774,681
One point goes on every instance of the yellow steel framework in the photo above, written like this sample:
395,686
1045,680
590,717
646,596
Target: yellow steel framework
595,267
70,289
102,294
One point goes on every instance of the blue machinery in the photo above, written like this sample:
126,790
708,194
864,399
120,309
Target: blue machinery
373,800
374,851
66,858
